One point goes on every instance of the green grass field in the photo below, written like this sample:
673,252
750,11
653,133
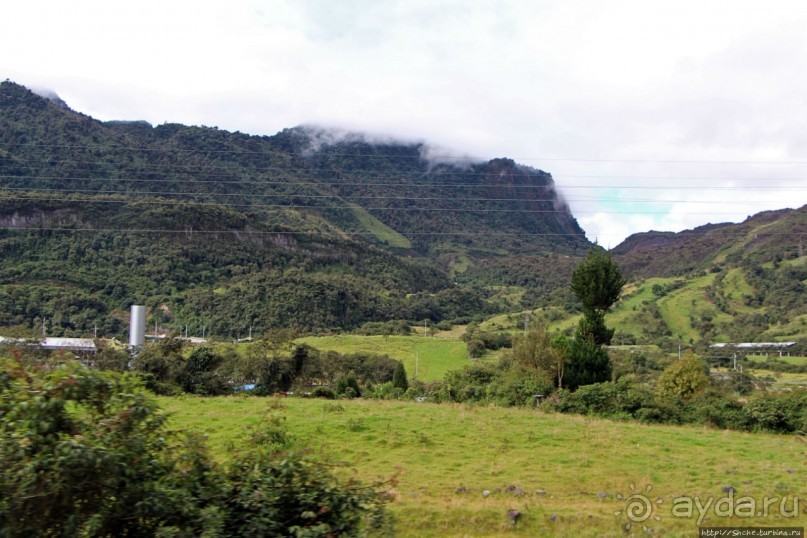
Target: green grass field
434,356
789,360
566,475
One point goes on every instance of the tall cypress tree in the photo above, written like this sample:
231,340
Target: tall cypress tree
399,380
597,283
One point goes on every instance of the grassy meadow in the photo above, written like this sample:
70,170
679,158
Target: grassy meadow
566,475
434,356
785,358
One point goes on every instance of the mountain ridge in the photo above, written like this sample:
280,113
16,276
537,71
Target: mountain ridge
232,232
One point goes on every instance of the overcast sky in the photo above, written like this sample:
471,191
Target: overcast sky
659,115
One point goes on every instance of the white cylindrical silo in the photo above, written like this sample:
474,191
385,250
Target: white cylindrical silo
137,326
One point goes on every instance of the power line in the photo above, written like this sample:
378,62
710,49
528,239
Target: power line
404,145
189,168
208,194
333,184
277,207
193,231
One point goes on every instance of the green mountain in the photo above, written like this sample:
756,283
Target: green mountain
725,282
230,232
328,231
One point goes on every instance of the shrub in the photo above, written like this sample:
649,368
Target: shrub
88,453
717,410
466,385
399,380
779,412
324,393
519,386
199,375
684,378
348,386
620,399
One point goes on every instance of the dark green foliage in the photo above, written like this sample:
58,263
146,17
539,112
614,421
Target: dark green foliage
586,363
160,364
398,327
592,327
109,358
85,453
348,386
272,367
784,412
88,453
739,383
479,342
536,351
324,393
199,375
625,399
597,281
467,385
399,379
620,399
520,386
271,496
246,231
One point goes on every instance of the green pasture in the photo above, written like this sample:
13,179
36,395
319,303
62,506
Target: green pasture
434,356
458,469
781,380
784,358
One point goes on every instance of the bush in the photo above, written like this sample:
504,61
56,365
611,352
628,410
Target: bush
620,400
199,375
324,393
519,386
466,385
88,453
714,408
399,380
779,412
684,378
348,386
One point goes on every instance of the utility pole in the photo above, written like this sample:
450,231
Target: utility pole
425,328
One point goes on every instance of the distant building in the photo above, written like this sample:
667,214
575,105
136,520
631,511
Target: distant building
761,347
83,349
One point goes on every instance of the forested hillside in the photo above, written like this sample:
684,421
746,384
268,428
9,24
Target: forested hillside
726,282
325,232
228,231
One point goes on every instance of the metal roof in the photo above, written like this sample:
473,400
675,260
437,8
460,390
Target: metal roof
755,345
81,344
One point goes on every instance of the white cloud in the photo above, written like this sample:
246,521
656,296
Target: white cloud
536,81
